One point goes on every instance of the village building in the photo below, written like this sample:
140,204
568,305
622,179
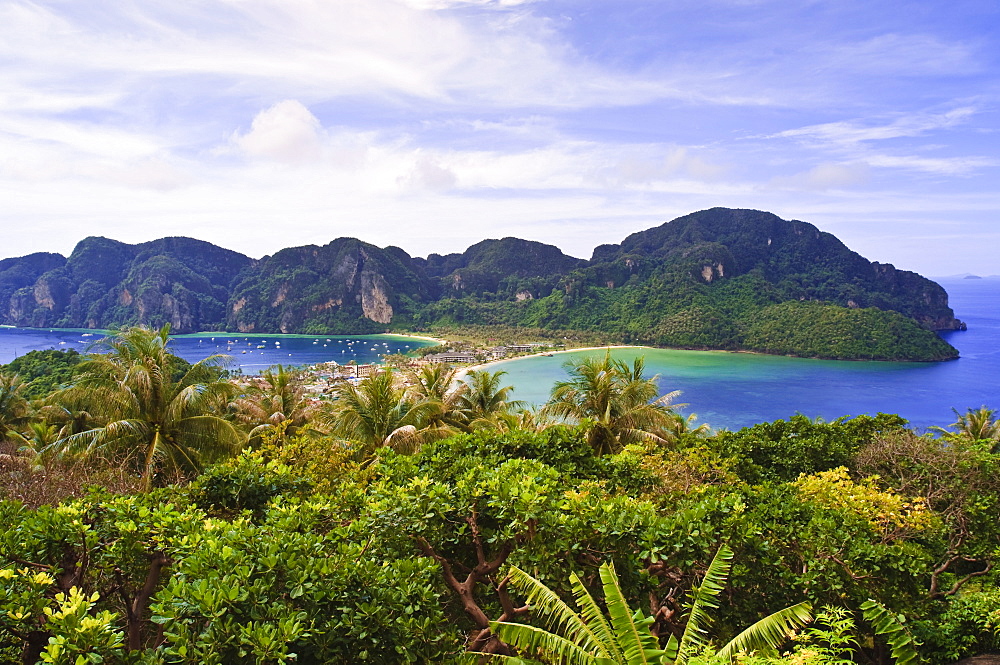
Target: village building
452,357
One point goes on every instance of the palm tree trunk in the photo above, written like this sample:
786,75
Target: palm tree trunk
147,468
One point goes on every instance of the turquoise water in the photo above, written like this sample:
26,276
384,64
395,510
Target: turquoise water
732,390
726,390
251,353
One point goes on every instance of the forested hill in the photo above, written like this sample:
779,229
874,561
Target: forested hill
719,278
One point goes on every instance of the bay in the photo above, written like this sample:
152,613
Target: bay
725,390
250,353
733,390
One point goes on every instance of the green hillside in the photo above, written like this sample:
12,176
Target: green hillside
714,279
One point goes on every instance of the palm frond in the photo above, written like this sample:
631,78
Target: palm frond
902,644
704,599
531,640
213,436
555,613
632,630
770,632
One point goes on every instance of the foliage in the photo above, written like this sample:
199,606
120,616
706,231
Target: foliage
783,449
888,513
980,424
43,371
80,635
276,405
893,628
150,420
624,636
969,625
312,549
376,414
586,636
618,403
811,329
246,483
299,587
14,408
485,400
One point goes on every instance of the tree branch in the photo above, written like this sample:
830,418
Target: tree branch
935,592
509,611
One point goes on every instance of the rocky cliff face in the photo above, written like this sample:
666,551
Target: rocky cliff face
345,286
510,268
799,260
661,279
104,282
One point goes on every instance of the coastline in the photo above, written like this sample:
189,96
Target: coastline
481,366
426,338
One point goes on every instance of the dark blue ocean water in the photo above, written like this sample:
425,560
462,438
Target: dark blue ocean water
732,390
728,390
251,353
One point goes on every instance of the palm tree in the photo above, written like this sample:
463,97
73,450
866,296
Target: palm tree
35,442
158,413
616,401
979,424
439,383
623,637
67,417
15,411
485,400
525,420
278,406
377,413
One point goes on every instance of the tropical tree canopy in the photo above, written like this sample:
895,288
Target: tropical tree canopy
156,411
439,383
979,424
485,399
277,403
14,408
621,405
377,413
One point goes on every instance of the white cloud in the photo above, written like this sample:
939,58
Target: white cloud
852,132
825,176
870,142
942,165
907,55
451,4
305,49
428,174
286,132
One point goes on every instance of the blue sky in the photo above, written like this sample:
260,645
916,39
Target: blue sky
432,124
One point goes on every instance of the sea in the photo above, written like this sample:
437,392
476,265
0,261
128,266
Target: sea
725,390
249,354
734,390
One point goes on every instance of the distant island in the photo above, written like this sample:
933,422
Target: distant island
738,280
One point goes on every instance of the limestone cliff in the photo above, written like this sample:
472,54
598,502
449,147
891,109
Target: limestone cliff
713,279
345,286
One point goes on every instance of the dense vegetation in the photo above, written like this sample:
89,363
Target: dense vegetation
718,279
421,523
44,371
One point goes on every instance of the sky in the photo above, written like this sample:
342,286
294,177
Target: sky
433,124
